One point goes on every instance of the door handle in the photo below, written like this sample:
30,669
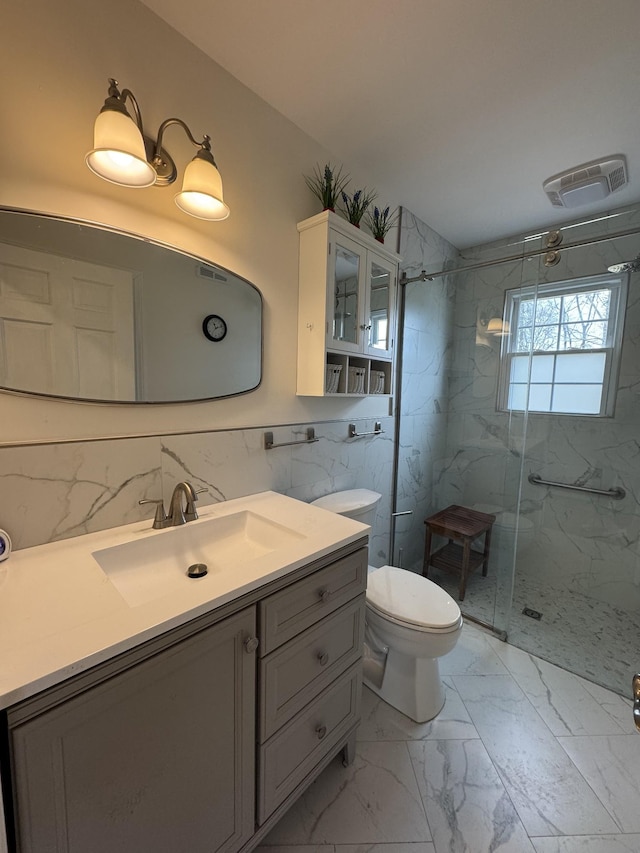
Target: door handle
636,700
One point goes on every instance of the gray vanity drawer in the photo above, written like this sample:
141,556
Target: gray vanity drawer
290,755
298,671
294,609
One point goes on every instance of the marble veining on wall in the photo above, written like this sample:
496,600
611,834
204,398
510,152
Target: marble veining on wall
53,492
426,352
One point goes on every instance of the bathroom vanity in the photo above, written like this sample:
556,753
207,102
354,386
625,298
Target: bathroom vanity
199,729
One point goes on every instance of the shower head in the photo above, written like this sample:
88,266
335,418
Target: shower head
626,266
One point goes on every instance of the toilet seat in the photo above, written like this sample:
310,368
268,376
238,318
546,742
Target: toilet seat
411,600
348,501
506,520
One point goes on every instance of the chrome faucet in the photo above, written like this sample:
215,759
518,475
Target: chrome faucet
179,514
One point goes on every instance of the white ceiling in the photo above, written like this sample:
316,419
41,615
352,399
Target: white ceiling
457,109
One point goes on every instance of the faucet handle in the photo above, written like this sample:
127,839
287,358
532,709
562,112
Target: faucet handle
160,520
191,513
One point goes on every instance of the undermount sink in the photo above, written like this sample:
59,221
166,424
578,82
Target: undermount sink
157,565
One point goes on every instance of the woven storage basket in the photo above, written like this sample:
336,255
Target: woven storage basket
376,382
332,380
356,380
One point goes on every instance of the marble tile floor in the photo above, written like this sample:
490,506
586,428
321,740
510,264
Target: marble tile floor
524,758
593,639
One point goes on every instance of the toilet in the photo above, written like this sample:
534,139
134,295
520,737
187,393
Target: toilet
410,623
508,528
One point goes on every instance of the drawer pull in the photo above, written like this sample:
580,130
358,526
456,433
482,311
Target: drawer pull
323,658
325,594
321,731
250,645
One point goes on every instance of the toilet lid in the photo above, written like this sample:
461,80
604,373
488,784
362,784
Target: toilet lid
407,597
508,521
347,501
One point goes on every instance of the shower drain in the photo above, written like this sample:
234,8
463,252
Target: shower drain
533,614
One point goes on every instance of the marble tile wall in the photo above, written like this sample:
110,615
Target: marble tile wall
56,491
426,352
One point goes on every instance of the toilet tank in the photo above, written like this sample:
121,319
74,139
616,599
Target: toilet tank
359,504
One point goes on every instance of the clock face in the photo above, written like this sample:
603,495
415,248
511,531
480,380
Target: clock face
214,327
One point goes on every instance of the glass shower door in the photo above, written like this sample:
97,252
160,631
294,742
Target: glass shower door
580,571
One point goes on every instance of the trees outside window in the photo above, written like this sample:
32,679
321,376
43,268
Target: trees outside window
563,349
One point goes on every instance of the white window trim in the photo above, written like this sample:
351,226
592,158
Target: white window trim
618,285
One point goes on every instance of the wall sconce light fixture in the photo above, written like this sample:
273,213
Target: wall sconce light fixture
123,155
490,327
498,327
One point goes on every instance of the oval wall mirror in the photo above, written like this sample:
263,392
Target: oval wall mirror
91,313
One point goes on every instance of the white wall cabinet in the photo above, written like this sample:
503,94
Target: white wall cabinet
346,309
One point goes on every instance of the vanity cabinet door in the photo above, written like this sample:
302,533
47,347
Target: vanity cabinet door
160,757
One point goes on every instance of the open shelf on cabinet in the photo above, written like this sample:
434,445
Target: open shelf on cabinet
356,375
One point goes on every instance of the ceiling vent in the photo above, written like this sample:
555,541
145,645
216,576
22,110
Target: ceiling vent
588,183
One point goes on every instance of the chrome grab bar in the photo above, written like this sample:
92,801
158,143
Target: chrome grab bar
377,430
636,700
617,494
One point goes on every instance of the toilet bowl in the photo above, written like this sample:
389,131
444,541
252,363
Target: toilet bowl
508,528
410,623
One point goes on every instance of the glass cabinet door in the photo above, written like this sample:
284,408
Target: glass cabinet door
345,298
379,315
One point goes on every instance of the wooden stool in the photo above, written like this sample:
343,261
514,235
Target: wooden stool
458,524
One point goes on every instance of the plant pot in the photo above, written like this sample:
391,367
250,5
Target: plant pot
380,239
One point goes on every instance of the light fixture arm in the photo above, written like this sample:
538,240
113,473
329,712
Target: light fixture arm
204,146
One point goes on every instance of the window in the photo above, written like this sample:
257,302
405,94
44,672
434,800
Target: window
563,349
379,329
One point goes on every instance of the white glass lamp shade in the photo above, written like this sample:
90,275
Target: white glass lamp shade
118,154
201,194
497,326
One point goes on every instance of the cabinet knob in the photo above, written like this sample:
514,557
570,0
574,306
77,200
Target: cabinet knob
323,658
321,731
325,594
250,645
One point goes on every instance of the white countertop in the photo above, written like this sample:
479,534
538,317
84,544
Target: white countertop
60,614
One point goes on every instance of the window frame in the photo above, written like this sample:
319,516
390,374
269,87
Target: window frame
618,288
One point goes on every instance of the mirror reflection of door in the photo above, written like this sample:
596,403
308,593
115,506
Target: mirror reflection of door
75,321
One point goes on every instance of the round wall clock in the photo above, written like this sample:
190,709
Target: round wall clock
214,327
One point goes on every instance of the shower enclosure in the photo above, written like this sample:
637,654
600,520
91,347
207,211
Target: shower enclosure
519,382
